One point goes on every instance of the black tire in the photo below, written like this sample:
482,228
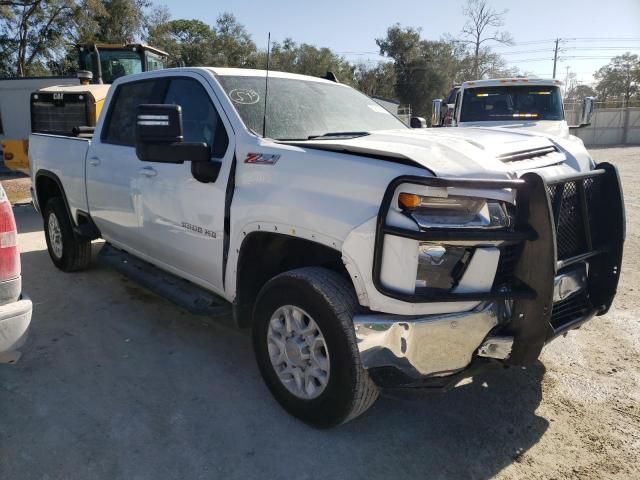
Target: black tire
76,251
331,301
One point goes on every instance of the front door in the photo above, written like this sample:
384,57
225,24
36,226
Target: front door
183,218
112,167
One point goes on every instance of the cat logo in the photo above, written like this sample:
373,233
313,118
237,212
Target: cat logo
58,95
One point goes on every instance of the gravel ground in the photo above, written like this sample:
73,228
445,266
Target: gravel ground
17,187
116,382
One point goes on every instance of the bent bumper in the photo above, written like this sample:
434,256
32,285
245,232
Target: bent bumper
15,319
434,345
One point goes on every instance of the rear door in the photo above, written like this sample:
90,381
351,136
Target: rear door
183,218
113,169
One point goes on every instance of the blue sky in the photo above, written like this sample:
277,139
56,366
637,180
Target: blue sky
593,28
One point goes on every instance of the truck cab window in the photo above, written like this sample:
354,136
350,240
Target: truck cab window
154,62
120,123
200,119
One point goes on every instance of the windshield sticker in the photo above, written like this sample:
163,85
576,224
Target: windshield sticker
244,96
377,108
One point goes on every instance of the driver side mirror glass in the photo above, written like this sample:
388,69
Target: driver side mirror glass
587,111
436,112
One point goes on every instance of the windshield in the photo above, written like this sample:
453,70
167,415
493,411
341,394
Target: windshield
511,103
115,63
303,109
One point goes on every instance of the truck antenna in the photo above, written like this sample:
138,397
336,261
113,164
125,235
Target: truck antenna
266,88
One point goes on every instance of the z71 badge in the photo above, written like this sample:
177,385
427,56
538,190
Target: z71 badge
262,158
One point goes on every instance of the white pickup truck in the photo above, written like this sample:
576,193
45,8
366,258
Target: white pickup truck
522,104
363,254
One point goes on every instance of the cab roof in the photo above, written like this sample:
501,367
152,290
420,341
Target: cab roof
498,82
125,46
249,72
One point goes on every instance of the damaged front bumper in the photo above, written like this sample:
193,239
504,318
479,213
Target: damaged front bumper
568,238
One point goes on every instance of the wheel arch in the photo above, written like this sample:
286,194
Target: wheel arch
47,186
263,255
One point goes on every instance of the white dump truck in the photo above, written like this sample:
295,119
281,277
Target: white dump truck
364,255
530,104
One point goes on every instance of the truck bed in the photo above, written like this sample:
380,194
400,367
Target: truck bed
62,158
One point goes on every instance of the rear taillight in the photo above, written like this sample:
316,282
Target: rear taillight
9,255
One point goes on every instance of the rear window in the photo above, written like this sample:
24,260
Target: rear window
511,103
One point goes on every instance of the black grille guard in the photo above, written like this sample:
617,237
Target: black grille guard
596,213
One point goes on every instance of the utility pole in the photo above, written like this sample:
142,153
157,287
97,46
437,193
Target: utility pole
555,57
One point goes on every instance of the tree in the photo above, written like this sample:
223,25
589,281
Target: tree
111,21
188,42
423,69
620,78
232,46
577,92
376,81
482,27
306,59
33,32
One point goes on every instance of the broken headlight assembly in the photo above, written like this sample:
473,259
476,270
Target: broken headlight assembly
441,265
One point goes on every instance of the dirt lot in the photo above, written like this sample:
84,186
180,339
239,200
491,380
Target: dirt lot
118,383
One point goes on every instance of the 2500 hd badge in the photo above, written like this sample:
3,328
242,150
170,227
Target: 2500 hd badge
199,229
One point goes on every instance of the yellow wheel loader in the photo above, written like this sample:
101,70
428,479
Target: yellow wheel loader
59,105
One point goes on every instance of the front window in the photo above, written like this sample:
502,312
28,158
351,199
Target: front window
305,109
511,103
114,63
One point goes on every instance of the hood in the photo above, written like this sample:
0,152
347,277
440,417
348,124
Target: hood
460,152
550,128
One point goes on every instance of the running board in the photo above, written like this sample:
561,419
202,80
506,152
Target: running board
183,293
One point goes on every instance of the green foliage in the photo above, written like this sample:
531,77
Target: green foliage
423,69
33,32
188,42
619,79
233,46
376,81
306,59
110,21
577,92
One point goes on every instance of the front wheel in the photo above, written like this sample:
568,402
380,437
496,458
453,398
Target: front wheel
306,350
67,251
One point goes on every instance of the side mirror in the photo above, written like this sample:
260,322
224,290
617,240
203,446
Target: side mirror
159,136
418,122
436,112
587,111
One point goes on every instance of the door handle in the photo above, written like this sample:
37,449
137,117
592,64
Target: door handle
94,161
148,171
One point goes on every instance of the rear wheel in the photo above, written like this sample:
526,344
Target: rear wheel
306,350
67,251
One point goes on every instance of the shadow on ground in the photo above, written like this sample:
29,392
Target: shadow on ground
116,382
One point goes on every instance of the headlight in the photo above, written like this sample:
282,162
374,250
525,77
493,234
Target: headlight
456,211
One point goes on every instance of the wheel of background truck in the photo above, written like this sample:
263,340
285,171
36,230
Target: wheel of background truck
305,345
68,252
